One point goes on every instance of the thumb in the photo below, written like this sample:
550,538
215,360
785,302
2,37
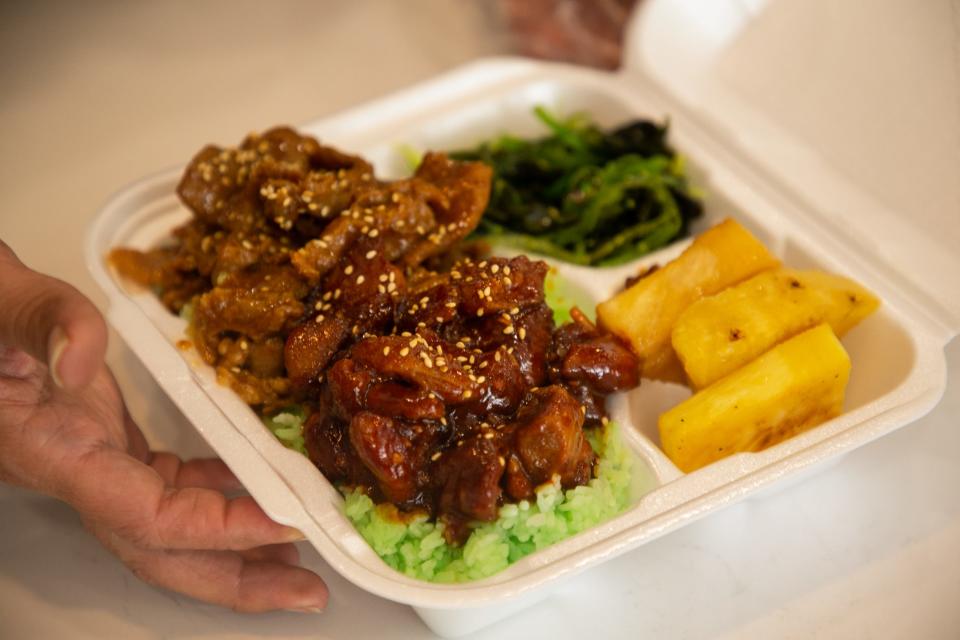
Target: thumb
50,320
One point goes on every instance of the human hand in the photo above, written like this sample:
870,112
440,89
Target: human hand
65,432
586,32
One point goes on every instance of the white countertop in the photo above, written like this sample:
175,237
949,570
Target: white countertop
95,96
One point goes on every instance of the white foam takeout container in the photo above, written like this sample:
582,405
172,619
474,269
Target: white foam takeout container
899,370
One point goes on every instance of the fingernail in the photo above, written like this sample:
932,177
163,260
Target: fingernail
55,347
293,534
307,610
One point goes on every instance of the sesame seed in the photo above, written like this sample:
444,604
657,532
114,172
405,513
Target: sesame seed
488,435
461,345
374,233
371,254
502,462
439,320
522,333
327,296
495,268
467,394
484,364
508,329
451,305
348,270
506,270
480,312
381,288
360,279
319,319
435,456
481,379
508,281
486,291
386,351
404,351
496,356
383,277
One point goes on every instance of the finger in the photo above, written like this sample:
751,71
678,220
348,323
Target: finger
286,553
119,493
52,321
136,444
224,577
205,473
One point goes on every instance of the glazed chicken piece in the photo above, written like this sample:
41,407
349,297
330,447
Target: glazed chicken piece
548,441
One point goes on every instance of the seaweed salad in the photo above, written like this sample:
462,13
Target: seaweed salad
585,195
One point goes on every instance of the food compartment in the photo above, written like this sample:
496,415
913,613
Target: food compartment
149,226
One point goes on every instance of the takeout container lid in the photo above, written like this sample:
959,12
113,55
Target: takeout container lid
905,378
737,65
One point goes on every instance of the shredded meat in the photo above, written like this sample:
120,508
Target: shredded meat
434,378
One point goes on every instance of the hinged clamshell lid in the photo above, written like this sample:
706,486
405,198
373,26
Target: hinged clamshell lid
853,106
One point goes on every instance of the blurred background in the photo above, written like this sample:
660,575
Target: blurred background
94,95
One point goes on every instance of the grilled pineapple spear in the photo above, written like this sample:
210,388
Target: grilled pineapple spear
789,389
719,334
644,314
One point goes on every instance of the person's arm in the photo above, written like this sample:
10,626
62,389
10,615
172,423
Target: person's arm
65,432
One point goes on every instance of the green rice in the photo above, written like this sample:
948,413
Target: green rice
288,427
416,547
